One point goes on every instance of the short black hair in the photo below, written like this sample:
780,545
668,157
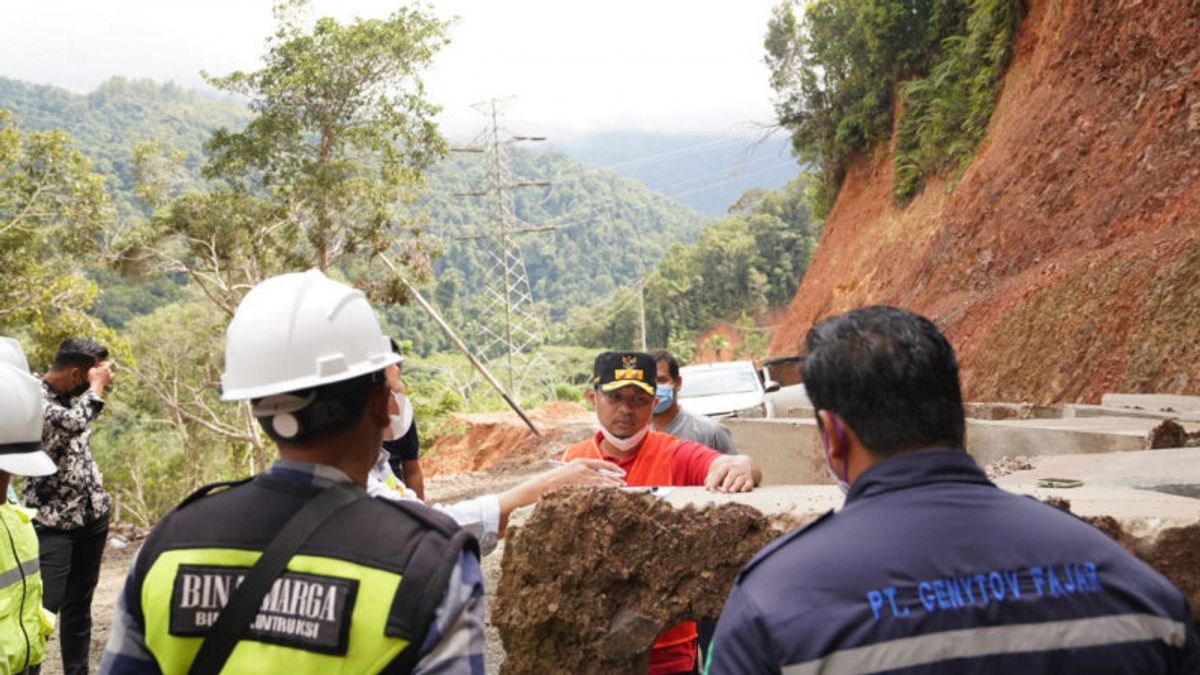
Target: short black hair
81,352
335,408
890,374
672,362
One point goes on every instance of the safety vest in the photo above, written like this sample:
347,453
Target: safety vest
651,467
24,625
342,605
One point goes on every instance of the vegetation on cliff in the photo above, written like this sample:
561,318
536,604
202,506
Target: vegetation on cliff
844,70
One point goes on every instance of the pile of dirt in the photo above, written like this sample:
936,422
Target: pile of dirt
1007,465
1171,434
1174,552
591,598
490,440
1066,261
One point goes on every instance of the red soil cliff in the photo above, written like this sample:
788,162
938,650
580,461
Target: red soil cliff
1066,261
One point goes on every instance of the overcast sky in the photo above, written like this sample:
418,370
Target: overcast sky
570,66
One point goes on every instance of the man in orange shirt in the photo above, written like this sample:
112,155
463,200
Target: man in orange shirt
623,387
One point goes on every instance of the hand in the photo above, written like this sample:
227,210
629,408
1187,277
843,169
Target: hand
731,473
578,473
100,376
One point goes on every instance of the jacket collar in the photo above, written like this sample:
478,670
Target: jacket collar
912,469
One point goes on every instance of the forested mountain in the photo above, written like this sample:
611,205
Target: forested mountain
611,229
707,173
106,123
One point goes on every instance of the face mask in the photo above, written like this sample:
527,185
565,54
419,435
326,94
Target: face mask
842,483
401,421
626,444
664,396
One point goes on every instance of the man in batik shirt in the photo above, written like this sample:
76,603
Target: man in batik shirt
72,506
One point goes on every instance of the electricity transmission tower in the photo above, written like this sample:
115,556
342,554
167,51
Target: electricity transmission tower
509,330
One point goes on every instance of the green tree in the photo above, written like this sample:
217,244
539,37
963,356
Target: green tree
837,67
340,135
169,433
744,263
53,213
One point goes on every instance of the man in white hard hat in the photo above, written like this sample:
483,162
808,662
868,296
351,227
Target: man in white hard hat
298,570
24,624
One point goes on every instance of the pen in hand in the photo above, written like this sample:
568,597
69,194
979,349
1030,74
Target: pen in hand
603,472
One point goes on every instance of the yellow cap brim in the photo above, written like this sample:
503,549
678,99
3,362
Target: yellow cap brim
615,385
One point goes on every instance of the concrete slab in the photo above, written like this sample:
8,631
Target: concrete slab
769,499
1085,410
1120,469
785,399
788,450
1113,488
1119,484
988,441
1159,402
798,412
985,410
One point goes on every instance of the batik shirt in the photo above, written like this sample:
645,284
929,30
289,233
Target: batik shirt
74,495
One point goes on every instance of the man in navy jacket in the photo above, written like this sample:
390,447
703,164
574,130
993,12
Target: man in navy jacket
929,567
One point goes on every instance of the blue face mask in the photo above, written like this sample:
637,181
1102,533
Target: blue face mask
664,396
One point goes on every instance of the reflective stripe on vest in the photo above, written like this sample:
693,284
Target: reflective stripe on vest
651,467
20,592
296,619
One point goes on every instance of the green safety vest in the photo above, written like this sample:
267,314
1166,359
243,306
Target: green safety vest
24,625
305,605
338,607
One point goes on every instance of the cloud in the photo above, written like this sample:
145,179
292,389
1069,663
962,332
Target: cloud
567,67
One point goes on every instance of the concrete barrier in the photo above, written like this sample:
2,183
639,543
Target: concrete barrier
988,441
788,450
1010,411
1085,410
1159,402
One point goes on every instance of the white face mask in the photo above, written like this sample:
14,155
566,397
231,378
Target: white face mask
626,444
401,421
842,483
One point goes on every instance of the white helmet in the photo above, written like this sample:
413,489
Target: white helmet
297,331
21,415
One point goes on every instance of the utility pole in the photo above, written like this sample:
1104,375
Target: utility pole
437,318
508,326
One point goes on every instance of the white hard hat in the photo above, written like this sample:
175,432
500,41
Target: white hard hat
21,415
297,331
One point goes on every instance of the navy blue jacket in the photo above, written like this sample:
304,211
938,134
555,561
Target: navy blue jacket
931,568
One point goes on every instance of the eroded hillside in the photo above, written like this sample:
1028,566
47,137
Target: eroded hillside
1066,260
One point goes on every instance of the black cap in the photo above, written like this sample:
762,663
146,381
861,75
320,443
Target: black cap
613,370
